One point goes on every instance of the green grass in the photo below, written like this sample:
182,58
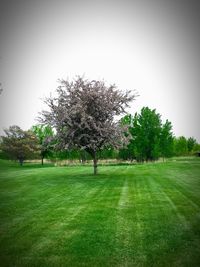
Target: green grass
138,215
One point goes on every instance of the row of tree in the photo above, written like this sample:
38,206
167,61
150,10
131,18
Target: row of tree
152,139
149,140
83,116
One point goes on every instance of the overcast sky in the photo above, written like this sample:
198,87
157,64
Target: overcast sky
152,46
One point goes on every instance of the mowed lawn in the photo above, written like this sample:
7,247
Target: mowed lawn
136,215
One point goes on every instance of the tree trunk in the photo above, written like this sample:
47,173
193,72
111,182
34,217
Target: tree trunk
95,164
21,161
42,161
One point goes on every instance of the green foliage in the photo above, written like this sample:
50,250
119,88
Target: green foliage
166,140
107,153
19,145
180,146
45,138
73,154
145,130
148,130
83,156
183,146
149,138
196,148
191,142
42,132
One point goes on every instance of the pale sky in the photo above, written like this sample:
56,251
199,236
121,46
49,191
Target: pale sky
152,46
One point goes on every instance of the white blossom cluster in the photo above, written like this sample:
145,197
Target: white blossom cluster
83,114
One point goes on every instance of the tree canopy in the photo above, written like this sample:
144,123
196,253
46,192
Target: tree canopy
150,138
18,144
83,114
44,134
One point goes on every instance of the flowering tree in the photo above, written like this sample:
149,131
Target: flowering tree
83,114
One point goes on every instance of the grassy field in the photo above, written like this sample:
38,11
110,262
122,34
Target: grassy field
138,215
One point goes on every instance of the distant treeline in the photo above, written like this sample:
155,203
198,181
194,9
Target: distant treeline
148,140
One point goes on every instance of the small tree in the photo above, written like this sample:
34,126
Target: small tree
44,134
128,151
180,146
83,115
166,140
196,149
191,142
18,144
